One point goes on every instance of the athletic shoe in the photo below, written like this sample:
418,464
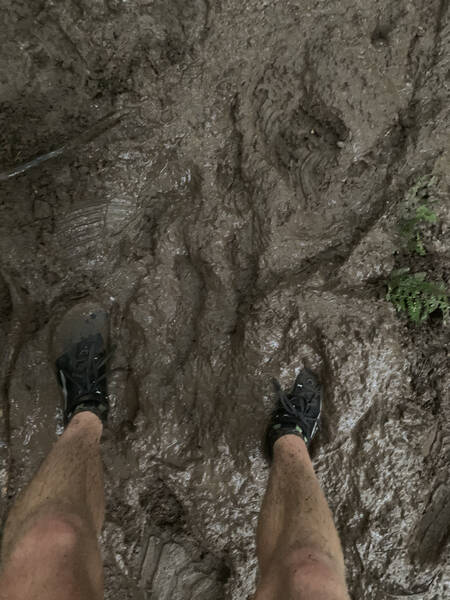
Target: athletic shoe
297,412
80,350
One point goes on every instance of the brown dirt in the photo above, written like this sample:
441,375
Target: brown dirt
238,219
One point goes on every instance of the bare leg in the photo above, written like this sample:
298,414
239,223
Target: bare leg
299,551
50,548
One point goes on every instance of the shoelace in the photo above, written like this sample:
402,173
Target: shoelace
85,370
289,407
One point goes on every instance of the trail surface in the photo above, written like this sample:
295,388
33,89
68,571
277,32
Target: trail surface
238,222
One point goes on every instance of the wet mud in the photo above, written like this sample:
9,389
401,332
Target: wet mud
238,221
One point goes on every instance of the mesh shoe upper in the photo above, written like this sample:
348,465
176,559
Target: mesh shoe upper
79,349
297,412
82,375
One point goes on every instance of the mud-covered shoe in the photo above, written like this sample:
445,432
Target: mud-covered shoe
80,346
297,412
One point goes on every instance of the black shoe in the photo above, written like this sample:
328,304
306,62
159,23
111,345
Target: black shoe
297,412
80,351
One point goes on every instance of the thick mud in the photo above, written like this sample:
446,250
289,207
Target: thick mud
229,185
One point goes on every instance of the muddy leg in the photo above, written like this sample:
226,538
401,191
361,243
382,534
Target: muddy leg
299,551
50,549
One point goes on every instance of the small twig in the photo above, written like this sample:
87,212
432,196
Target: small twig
86,136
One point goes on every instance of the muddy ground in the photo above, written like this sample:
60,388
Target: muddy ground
237,212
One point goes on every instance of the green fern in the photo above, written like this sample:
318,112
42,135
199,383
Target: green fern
420,215
421,189
416,297
425,215
418,246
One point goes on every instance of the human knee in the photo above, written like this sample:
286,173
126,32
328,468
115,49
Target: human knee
301,558
303,574
309,573
51,533
50,552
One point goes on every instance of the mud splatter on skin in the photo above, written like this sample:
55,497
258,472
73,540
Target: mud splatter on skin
238,225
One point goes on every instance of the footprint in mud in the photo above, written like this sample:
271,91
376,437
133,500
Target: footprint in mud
169,572
93,230
80,233
433,528
154,551
301,133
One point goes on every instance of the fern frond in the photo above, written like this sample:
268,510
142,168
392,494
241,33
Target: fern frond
417,297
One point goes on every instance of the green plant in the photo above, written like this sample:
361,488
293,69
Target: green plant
419,214
416,297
